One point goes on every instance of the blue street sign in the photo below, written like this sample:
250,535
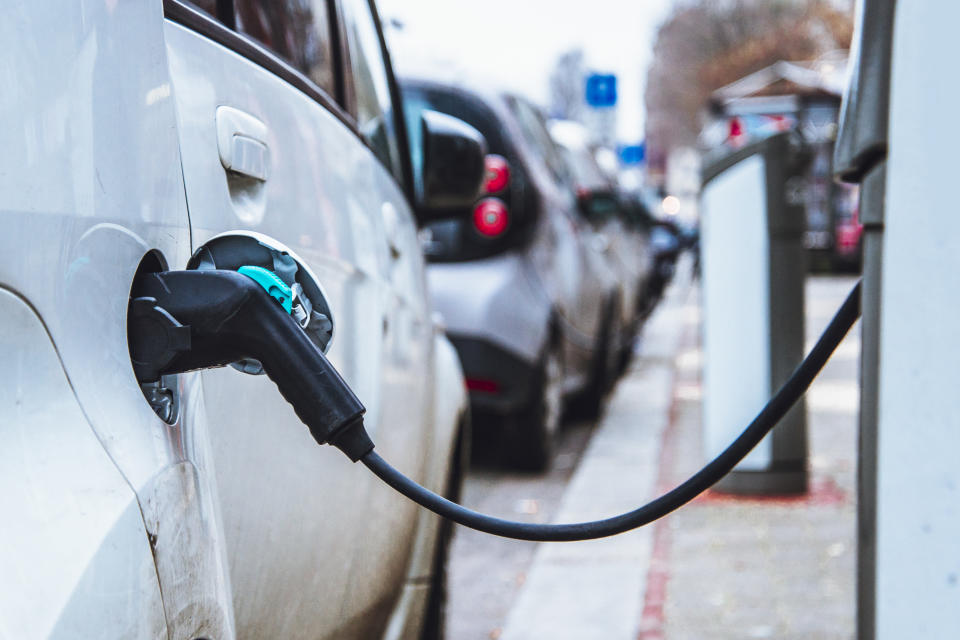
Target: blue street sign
601,90
632,154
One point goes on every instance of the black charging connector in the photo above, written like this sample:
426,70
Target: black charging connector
188,320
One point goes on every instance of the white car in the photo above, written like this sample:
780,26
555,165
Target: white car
137,135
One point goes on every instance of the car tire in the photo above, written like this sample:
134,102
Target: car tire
435,618
589,402
532,432
611,363
625,355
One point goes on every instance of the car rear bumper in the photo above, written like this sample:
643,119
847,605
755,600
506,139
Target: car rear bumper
499,382
497,300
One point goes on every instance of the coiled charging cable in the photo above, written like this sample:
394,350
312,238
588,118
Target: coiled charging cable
765,421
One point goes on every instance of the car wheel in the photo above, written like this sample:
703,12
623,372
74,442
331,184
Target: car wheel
434,619
589,402
533,431
620,336
625,355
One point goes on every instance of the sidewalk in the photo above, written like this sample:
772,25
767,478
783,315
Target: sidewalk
765,568
722,567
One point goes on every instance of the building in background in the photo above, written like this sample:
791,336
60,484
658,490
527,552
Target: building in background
804,97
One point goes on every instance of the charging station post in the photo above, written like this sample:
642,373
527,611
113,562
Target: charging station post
898,142
753,293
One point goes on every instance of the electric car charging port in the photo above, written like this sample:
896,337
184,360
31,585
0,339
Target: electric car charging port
250,252
247,301
162,394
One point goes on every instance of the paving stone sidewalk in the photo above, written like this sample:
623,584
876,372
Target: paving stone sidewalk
722,567
731,567
593,589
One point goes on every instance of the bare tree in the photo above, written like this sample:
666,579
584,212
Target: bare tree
706,44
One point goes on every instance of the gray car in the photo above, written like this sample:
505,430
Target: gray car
526,293
624,239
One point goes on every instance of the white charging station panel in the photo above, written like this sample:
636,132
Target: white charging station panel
736,322
918,432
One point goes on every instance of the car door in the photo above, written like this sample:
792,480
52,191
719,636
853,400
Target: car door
565,255
293,514
380,555
91,190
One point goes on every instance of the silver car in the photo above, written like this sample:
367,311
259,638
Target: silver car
149,136
521,280
625,240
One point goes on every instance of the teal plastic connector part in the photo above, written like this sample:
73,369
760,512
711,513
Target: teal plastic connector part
271,283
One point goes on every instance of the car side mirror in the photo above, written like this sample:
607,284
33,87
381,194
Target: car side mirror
453,164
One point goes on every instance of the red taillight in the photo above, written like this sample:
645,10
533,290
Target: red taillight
486,386
736,131
848,236
497,174
490,217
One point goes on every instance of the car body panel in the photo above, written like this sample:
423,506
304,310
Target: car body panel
331,201
106,97
503,292
449,409
87,208
63,493
79,212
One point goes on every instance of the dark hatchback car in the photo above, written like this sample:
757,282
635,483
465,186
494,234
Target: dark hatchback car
525,291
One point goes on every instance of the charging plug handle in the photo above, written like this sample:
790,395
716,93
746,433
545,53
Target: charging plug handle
230,317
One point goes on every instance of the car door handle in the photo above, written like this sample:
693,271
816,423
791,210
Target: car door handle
242,143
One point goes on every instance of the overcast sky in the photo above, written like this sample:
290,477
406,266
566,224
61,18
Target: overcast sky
515,42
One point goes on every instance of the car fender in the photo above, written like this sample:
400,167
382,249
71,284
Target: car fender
450,406
449,409
73,541
506,303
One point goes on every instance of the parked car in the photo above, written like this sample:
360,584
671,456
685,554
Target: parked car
626,244
139,134
525,291
667,241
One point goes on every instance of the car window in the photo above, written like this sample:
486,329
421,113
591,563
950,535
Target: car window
375,110
414,104
296,30
535,133
207,6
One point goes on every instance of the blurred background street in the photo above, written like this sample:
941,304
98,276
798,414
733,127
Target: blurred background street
558,256
725,567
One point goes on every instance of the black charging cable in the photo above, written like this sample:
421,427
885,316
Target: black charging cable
187,320
699,482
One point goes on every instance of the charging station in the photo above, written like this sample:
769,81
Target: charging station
753,296
897,143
